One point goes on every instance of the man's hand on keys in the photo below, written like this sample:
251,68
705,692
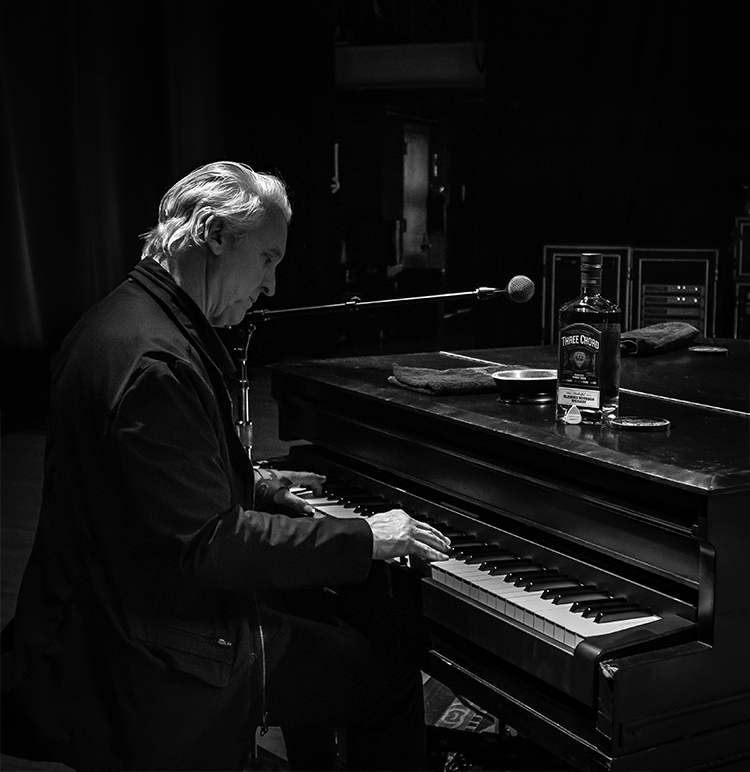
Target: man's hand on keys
395,534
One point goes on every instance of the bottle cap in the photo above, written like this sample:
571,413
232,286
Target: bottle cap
709,350
636,423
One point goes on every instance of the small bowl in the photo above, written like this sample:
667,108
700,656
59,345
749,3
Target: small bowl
526,385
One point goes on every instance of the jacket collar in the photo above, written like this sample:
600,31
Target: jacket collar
185,312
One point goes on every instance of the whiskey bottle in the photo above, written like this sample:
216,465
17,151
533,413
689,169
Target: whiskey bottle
588,374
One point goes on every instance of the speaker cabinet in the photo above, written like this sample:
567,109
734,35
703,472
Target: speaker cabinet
741,247
675,285
562,282
742,310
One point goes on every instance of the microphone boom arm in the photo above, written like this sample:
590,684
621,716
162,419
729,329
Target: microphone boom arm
481,293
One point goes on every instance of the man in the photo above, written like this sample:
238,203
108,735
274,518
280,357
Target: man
138,639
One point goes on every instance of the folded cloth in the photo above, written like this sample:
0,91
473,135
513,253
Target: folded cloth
657,338
458,380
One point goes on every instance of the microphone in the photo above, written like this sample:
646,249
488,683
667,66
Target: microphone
519,290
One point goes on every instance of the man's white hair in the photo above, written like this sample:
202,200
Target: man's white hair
231,191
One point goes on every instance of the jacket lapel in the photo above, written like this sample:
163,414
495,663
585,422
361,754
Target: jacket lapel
192,323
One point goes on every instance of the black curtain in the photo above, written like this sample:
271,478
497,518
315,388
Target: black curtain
104,106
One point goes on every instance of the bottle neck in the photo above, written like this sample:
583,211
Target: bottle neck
591,278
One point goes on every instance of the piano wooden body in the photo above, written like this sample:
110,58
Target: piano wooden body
659,518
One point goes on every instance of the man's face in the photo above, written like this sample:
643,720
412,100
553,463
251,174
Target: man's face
244,270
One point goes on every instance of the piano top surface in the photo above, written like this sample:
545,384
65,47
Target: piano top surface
707,448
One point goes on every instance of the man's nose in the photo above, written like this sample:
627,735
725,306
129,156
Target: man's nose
269,285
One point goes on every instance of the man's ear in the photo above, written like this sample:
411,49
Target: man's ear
215,234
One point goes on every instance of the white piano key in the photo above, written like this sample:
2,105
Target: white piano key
556,622
456,573
590,627
489,587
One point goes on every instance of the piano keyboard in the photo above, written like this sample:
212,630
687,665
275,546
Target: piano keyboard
552,604
344,501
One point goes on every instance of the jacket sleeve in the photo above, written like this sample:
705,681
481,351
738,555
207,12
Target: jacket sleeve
167,445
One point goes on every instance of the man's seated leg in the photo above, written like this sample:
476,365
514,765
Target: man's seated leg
323,675
311,748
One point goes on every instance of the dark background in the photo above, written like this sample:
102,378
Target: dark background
621,123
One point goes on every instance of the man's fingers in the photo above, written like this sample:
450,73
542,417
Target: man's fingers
433,538
285,498
430,529
306,479
427,553
434,545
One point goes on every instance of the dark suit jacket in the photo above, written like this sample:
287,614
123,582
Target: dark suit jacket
136,640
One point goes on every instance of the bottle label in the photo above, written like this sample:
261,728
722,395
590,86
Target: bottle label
578,372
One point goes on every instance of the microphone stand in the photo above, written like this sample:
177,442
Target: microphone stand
246,328
243,424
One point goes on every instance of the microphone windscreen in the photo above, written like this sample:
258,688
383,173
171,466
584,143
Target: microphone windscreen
520,289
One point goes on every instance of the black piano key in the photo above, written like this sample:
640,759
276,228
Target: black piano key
476,559
558,593
334,493
587,605
616,615
444,527
371,509
421,516
531,568
464,552
480,546
468,542
590,608
527,576
582,597
465,541
334,485
504,560
535,585
501,566
353,500
593,612
452,533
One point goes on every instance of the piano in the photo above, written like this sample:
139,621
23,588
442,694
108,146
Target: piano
598,596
